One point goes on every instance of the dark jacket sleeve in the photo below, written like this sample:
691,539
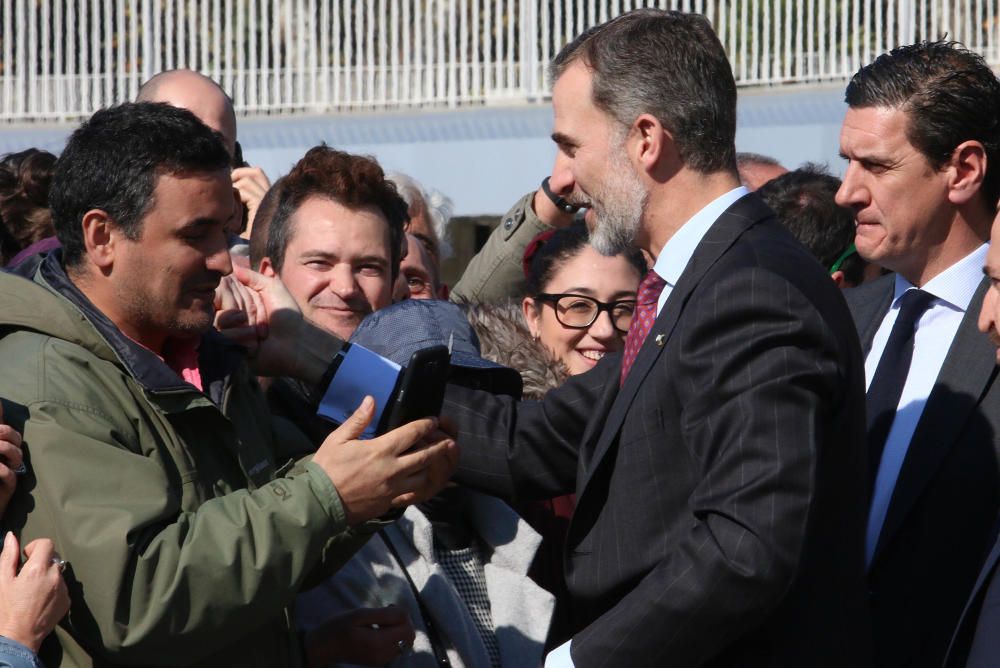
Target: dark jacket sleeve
161,582
761,374
528,449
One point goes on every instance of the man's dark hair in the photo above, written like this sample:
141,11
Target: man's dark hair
262,222
950,95
668,64
112,161
351,180
551,250
804,202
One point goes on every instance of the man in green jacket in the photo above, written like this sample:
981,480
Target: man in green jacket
496,272
151,454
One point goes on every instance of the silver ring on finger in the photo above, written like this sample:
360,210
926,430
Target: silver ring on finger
59,563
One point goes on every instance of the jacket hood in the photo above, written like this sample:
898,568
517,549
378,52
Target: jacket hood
27,302
505,339
39,296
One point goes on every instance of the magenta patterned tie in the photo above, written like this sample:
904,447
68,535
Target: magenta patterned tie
642,320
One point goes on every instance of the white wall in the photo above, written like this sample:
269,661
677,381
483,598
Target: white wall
484,159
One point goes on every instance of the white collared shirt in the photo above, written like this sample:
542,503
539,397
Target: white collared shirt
677,252
953,290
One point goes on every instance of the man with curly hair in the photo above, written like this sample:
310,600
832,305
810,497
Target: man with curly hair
335,238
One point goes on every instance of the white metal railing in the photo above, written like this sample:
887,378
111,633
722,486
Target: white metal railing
63,59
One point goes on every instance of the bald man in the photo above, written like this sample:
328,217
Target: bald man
755,169
204,98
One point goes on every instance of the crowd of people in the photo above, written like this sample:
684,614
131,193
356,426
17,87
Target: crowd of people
701,410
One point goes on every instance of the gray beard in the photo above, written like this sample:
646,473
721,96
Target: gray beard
619,215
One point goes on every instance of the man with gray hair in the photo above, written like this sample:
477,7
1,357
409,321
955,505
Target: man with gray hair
755,169
718,464
430,213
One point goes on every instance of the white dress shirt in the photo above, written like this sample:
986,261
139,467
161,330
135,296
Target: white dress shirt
953,290
670,264
677,252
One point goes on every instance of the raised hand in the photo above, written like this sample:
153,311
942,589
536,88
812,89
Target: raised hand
11,460
251,183
404,466
33,601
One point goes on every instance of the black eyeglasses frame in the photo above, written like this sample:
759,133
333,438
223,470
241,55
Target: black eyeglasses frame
553,300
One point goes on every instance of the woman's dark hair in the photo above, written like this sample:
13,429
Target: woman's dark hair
551,250
25,178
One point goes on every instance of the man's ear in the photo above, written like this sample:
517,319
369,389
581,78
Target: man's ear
651,146
966,171
530,311
267,268
100,237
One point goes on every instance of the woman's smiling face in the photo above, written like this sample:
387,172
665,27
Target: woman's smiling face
588,273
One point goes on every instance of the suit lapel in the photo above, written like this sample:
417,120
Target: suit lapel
595,427
730,225
967,372
869,303
969,616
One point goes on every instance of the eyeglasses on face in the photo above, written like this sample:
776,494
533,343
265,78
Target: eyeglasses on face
580,312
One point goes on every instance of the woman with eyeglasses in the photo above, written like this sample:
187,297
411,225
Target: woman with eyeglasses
579,302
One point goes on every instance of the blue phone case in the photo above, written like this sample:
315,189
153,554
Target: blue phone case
361,373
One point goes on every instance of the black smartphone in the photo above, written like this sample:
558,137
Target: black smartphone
239,161
420,392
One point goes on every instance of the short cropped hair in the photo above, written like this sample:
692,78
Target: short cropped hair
804,201
949,94
262,222
354,181
113,160
671,65
748,158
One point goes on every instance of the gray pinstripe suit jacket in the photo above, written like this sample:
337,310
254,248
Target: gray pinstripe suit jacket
720,493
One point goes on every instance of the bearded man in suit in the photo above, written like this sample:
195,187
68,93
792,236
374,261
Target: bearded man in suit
718,462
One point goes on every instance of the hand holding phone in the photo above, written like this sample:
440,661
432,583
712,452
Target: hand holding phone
420,390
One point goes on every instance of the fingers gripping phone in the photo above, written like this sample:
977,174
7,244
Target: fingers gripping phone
420,390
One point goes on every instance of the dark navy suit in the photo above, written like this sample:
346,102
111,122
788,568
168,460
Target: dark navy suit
720,492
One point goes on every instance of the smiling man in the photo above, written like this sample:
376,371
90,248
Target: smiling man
151,454
922,141
718,463
335,239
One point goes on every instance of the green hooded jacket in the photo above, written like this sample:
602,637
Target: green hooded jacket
185,540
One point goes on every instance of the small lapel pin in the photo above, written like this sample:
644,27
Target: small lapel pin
661,339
